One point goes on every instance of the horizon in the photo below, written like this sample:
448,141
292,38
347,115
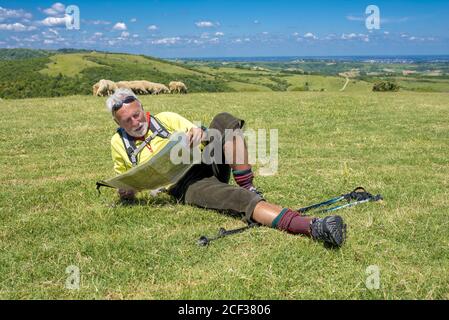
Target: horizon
249,56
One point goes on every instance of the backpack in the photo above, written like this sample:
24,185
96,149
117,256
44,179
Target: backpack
155,126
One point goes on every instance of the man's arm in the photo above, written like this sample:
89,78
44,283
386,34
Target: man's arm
178,123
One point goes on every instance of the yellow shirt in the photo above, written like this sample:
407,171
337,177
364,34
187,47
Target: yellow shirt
173,122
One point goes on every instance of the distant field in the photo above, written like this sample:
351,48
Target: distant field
39,73
329,142
67,65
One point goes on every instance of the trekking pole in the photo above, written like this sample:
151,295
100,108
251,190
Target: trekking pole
204,241
321,204
359,194
351,204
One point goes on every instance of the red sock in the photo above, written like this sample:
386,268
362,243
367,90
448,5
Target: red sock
292,222
244,178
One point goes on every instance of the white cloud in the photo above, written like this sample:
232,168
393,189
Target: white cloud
120,26
53,31
47,41
354,36
98,34
167,41
355,18
14,14
219,34
33,38
125,34
206,24
310,35
349,36
133,20
56,21
57,9
16,27
97,22
153,27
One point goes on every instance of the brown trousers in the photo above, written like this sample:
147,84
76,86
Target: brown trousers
207,185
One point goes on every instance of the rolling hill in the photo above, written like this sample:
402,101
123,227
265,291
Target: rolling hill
38,73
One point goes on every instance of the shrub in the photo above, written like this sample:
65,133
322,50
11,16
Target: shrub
385,86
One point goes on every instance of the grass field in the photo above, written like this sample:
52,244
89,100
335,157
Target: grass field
68,64
396,144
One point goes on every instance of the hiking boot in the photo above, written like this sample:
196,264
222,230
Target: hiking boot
331,230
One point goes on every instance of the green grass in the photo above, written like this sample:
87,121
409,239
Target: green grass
328,83
244,87
67,64
72,64
53,151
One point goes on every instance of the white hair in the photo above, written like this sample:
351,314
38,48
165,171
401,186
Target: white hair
119,95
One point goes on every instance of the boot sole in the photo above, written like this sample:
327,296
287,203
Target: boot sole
336,228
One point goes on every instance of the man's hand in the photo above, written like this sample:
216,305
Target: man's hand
195,136
126,195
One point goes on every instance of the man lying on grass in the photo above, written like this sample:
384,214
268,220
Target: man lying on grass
207,185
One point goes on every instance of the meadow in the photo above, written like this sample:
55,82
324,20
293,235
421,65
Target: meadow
396,144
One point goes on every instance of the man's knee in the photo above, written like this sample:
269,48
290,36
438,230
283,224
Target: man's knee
226,120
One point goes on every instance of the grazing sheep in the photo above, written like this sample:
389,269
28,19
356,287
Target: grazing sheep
105,88
154,88
123,84
177,87
160,88
149,86
95,88
137,87
143,87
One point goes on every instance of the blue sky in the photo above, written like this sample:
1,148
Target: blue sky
230,28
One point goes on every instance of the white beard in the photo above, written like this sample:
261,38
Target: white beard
141,132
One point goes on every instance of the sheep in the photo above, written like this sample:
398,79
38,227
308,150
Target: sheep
177,87
137,86
149,86
154,88
105,87
143,87
123,84
95,88
160,88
